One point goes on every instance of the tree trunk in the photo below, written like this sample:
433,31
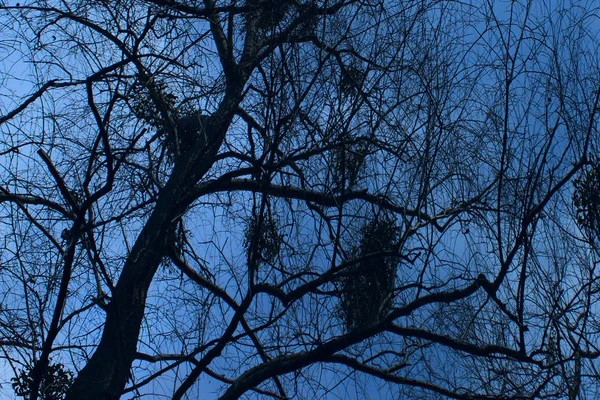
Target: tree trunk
108,370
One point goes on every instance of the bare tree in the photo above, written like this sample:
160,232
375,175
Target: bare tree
299,198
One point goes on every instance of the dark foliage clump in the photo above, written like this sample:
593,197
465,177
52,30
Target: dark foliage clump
586,198
178,128
190,128
266,237
151,101
348,161
268,14
55,384
352,80
367,286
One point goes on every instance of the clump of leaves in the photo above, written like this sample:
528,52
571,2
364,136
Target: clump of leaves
178,126
586,198
352,79
146,96
348,159
367,287
55,384
268,14
266,236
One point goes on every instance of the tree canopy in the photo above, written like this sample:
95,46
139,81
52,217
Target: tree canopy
299,199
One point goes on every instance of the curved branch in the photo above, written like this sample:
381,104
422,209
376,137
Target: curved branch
288,363
321,198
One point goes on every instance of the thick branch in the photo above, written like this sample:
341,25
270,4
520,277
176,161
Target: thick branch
326,199
288,363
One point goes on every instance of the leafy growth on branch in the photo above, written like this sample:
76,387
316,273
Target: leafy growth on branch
348,161
266,236
145,108
268,14
368,285
55,384
352,80
586,199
